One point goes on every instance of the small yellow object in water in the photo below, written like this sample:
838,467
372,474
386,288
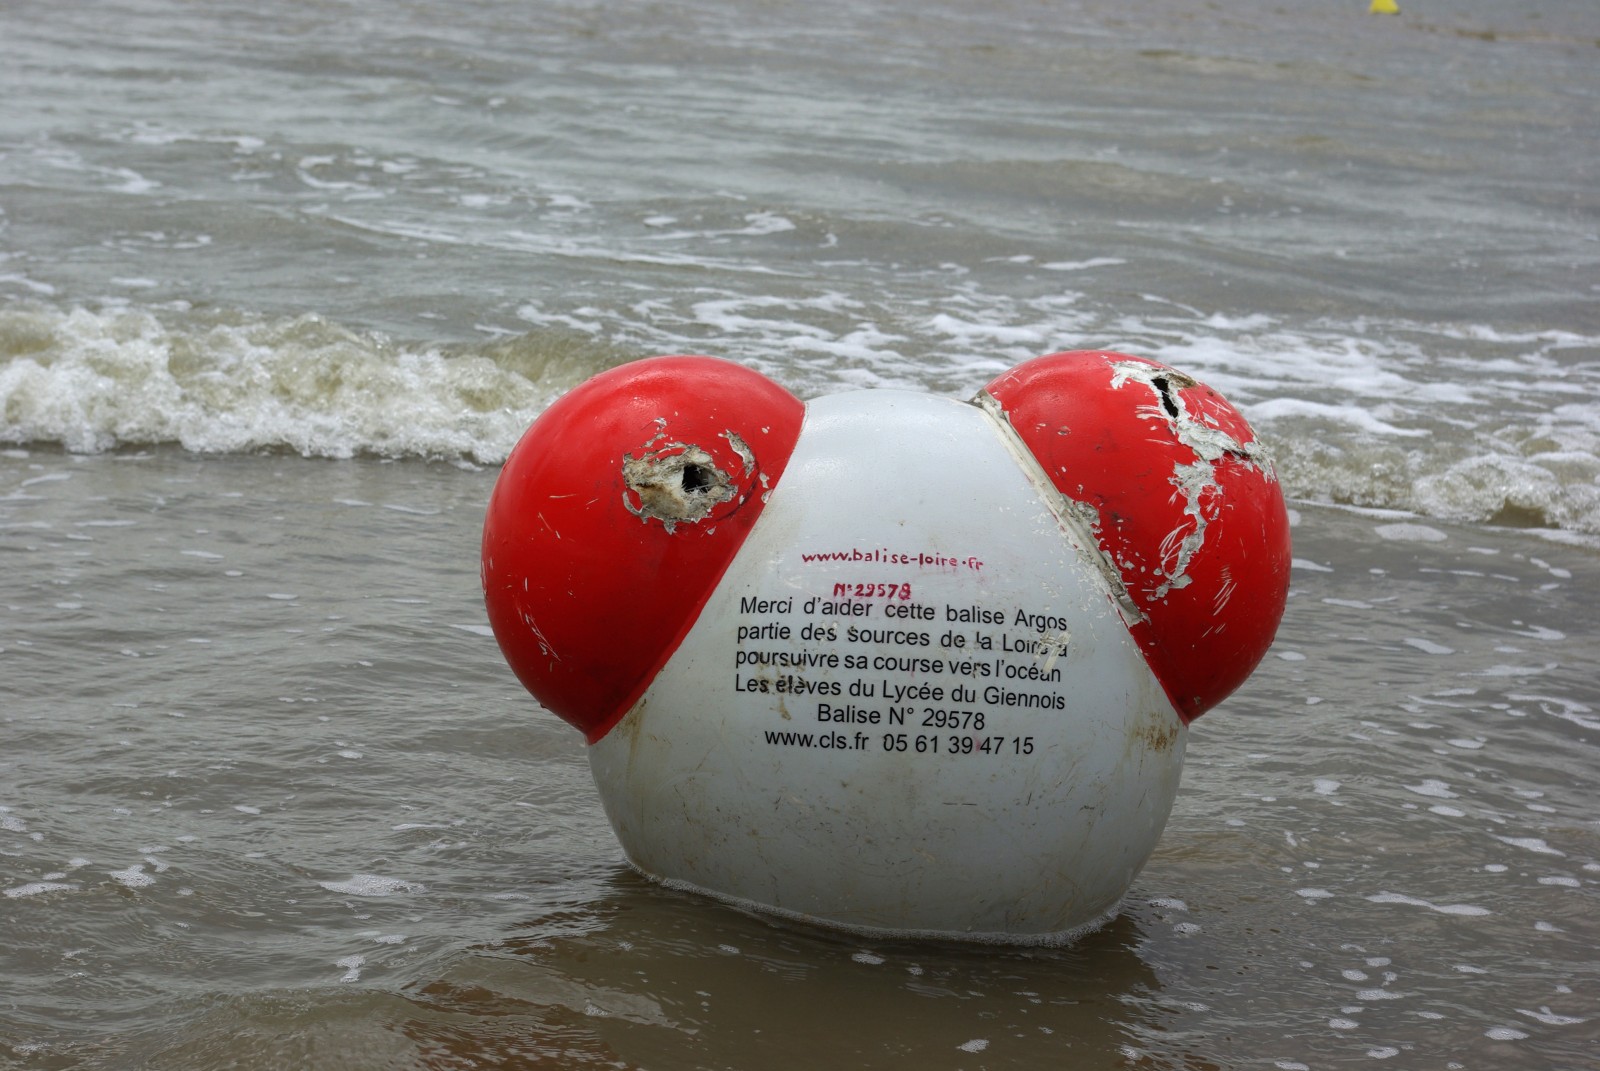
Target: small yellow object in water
1384,7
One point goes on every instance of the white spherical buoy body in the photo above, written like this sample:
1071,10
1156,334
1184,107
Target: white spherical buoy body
924,717
888,660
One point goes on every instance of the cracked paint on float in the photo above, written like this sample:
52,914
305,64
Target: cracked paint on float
893,662
584,537
1181,499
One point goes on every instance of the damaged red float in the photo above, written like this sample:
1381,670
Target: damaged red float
886,660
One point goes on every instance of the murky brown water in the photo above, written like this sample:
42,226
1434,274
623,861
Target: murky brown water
272,800
280,286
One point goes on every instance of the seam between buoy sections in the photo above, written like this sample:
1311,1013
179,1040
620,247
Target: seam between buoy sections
1078,520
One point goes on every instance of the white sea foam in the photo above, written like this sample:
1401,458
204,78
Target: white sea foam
134,877
35,888
1540,632
1375,420
1428,646
1360,420
1082,265
1550,1018
1532,844
1443,909
1410,533
126,377
372,885
1504,669
1561,707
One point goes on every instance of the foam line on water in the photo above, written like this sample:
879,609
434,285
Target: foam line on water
1447,422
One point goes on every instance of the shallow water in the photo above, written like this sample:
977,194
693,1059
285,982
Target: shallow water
271,799
278,292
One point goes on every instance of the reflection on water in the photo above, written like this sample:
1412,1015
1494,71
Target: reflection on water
665,979
651,978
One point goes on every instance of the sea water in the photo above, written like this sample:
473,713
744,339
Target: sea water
281,285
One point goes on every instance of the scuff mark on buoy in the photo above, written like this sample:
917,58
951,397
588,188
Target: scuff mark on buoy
677,484
1196,482
1211,443
682,483
741,448
545,647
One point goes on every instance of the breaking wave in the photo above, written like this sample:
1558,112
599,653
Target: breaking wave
1458,423
95,381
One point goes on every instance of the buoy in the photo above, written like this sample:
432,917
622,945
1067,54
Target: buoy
885,660
1384,7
